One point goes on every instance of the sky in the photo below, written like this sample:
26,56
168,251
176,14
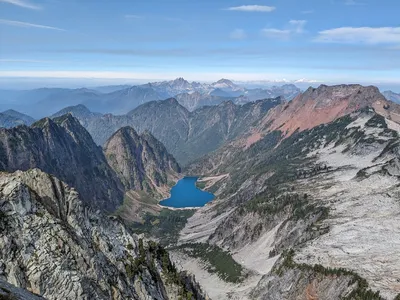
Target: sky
84,42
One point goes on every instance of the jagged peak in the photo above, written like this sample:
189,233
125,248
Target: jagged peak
126,130
67,118
180,79
42,123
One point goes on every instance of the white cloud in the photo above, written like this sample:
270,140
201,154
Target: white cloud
294,27
253,8
238,34
22,3
28,25
364,35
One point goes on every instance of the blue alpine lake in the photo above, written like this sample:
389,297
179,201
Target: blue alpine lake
186,194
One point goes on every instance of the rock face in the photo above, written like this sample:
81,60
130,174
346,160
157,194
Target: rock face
9,291
52,245
64,148
186,135
141,161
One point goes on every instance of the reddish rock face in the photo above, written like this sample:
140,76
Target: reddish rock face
323,105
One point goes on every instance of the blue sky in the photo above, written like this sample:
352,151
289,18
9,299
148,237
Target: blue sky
116,41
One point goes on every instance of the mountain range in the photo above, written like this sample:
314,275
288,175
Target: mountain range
306,198
186,135
43,102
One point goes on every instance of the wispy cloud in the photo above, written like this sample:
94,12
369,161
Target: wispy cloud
238,34
134,17
294,27
22,3
353,2
297,26
11,60
364,35
276,33
253,8
28,25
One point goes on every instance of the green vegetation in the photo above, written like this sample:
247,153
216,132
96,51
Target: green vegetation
361,292
201,185
166,226
217,260
148,257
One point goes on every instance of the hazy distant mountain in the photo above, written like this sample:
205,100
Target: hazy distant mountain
11,118
392,96
111,88
43,102
120,99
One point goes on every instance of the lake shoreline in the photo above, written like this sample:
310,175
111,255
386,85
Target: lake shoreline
185,195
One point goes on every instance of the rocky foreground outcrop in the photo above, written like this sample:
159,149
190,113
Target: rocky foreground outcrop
53,245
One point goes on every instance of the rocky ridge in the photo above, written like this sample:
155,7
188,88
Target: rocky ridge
64,148
55,246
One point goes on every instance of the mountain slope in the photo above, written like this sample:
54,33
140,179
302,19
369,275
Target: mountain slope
323,105
141,162
64,148
328,192
55,246
190,135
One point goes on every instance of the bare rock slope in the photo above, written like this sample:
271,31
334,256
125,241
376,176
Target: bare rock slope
52,245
